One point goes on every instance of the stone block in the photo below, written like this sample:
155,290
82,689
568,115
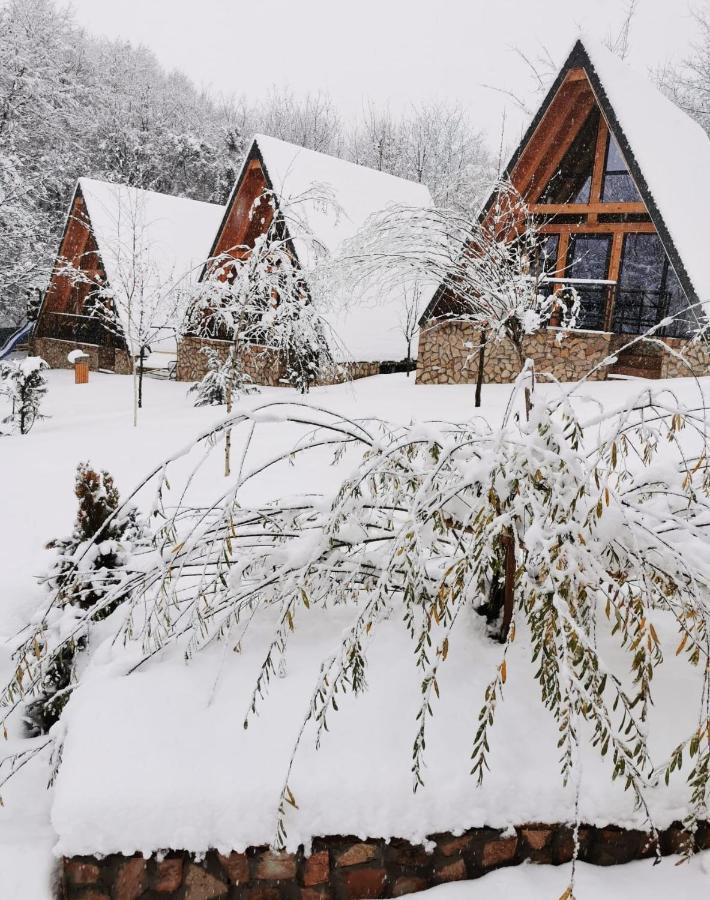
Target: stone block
272,866
79,872
499,851
356,854
131,879
168,876
453,871
203,885
316,868
361,884
236,865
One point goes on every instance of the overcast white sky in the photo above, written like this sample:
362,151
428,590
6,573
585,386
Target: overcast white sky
391,51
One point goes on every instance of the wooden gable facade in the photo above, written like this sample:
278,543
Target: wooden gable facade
602,230
64,322
243,223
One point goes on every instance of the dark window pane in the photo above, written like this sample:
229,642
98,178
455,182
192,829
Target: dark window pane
642,262
572,181
649,289
618,185
615,162
589,260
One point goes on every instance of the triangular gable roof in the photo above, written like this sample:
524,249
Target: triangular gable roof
667,152
368,331
173,235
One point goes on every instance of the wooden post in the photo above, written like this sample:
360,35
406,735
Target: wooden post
80,361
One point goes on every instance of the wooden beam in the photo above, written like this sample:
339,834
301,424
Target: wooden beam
583,209
595,191
576,75
599,228
562,251
550,137
542,167
617,247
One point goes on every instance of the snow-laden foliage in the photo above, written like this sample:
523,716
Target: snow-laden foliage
23,385
490,270
260,296
83,572
222,379
571,531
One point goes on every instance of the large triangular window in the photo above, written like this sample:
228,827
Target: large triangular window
572,180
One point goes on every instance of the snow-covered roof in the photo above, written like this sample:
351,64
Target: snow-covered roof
328,201
149,242
667,152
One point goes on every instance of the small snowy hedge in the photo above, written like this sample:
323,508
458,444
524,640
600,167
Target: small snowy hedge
574,532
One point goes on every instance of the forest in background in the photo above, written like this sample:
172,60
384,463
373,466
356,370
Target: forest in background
75,105
72,104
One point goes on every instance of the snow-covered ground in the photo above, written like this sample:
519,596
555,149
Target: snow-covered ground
169,724
690,881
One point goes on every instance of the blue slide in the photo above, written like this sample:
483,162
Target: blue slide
16,339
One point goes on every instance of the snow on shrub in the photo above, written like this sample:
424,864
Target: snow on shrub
24,385
222,380
565,531
93,563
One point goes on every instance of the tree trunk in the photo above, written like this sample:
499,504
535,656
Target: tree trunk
481,362
141,357
135,393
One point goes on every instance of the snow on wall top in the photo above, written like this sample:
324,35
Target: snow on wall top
367,329
671,150
150,243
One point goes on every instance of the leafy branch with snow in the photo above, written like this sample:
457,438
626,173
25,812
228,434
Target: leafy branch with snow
565,533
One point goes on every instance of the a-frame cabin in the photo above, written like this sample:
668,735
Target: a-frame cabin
289,181
122,240
617,178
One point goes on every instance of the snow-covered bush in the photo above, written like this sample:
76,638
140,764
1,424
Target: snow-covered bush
221,380
487,268
24,385
566,532
89,565
261,295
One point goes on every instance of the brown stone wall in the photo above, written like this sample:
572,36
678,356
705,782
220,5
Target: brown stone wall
696,359
448,354
54,353
263,364
346,868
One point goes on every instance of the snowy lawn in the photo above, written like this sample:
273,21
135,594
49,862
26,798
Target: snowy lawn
633,881
160,758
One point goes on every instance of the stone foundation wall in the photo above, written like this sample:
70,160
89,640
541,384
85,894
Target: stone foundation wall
448,354
263,364
695,353
342,868
54,352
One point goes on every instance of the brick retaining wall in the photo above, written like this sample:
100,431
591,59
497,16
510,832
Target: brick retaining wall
346,868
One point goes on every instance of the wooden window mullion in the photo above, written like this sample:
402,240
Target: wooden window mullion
595,192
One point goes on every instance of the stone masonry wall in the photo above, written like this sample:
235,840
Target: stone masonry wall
695,353
54,352
342,868
448,354
262,363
